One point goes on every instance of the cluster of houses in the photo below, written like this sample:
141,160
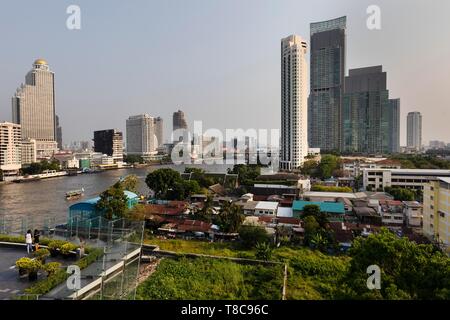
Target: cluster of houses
272,205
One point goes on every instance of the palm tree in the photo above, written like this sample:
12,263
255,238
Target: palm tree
231,217
206,212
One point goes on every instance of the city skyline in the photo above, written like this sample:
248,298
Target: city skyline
236,86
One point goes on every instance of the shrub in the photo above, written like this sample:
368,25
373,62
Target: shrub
67,247
51,268
41,254
251,235
28,264
263,251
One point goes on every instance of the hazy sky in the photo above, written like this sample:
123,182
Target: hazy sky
218,61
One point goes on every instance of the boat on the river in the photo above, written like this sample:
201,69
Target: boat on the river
75,194
27,179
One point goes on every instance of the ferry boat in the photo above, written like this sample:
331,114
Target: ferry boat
75,194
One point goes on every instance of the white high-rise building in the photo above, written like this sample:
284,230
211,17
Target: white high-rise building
141,135
414,130
10,147
29,153
33,107
294,103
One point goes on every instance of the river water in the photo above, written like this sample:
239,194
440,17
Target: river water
45,199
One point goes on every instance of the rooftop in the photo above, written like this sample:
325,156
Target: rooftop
266,205
330,207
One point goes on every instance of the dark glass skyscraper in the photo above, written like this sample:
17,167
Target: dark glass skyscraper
326,83
370,119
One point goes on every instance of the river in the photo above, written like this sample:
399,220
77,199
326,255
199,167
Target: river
45,200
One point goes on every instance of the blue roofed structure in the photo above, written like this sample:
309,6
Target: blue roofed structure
336,210
87,209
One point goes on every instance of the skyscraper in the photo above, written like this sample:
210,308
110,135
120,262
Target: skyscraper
109,142
326,83
179,123
33,107
159,131
395,125
294,103
414,131
141,138
58,133
368,116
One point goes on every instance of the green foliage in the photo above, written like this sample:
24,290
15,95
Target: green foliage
263,251
206,212
328,165
421,162
130,183
314,210
246,173
39,167
113,202
131,158
401,194
251,235
310,168
408,270
205,279
41,254
230,218
162,180
46,285
30,265
67,247
322,188
51,268
182,189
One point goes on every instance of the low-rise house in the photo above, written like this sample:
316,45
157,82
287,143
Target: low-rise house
249,208
334,210
392,213
413,212
367,215
266,208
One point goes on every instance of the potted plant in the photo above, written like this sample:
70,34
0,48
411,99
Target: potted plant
41,255
51,268
31,266
22,265
53,247
66,249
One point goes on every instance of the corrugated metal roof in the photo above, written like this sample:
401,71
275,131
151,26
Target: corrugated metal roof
331,207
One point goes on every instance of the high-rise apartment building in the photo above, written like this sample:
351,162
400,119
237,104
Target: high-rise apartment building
58,133
294,103
436,212
33,107
159,131
394,120
10,148
109,142
179,124
369,119
141,135
414,131
29,152
327,71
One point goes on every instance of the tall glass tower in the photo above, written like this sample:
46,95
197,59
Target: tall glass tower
326,83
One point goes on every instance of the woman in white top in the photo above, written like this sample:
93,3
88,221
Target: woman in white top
29,241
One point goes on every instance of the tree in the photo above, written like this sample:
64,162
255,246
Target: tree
328,164
113,202
246,173
311,227
206,212
314,211
263,251
132,158
231,217
161,180
401,194
251,235
183,189
130,183
310,168
408,270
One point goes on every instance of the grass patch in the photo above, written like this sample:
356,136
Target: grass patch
206,279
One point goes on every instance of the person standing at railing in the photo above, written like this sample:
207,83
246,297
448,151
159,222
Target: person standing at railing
37,235
29,241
